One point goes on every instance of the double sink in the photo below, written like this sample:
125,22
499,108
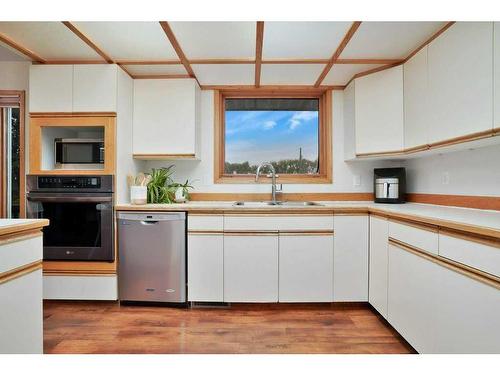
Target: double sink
276,204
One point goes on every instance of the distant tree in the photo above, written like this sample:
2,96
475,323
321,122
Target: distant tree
285,166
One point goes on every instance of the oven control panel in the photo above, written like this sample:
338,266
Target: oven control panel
66,182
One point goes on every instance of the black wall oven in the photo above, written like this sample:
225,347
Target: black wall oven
80,211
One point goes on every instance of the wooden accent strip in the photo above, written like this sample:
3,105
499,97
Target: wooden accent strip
368,61
22,229
306,233
285,196
88,41
71,114
21,236
258,51
75,62
175,44
148,62
204,232
483,240
350,33
161,76
463,269
411,223
79,268
374,70
469,201
274,89
434,36
25,51
163,156
251,233
20,271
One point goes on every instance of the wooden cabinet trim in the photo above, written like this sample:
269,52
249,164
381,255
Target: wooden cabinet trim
483,240
205,232
411,223
21,229
470,272
20,271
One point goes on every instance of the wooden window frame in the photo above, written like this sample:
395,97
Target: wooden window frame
14,98
324,137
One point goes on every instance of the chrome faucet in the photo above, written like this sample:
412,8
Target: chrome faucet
274,189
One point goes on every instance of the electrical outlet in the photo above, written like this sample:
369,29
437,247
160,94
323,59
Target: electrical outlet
356,180
446,178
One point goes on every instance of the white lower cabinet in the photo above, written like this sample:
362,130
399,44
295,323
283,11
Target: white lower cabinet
305,268
251,267
412,286
350,273
377,291
205,267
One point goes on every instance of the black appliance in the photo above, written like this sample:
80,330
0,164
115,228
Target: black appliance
72,153
389,185
80,213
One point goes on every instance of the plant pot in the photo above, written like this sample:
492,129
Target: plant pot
138,194
179,195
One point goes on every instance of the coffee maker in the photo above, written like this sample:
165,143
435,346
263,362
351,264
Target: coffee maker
389,185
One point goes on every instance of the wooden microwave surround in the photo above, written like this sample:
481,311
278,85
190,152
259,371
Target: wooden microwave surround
325,136
38,121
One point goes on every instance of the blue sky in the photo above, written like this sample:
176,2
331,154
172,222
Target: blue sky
257,136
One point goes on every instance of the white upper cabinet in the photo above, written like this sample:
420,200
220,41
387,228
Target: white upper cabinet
166,118
51,88
73,88
496,103
416,126
379,111
461,81
94,88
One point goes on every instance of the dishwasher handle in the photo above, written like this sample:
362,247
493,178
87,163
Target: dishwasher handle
149,222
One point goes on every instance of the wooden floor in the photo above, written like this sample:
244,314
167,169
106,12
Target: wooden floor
107,327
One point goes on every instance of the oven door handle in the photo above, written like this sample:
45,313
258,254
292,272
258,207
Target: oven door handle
70,199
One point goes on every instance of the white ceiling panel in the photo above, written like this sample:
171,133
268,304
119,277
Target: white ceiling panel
50,40
206,40
130,40
317,40
290,74
340,74
225,74
155,69
9,54
391,40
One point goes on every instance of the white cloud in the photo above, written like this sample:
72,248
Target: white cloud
299,117
267,125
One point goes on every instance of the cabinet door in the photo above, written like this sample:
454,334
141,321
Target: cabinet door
51,88
413,282
496,70
377,294
415,100
350,262
205,267
379,111
305,268
460,81
468,315
165,117
349,121
94,88
21,315
251,268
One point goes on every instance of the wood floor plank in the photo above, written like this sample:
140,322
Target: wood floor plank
108,327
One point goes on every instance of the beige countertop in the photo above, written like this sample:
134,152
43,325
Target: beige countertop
484,222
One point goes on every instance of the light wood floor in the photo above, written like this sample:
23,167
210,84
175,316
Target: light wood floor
107,327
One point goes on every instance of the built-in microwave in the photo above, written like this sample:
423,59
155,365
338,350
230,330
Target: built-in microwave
75,153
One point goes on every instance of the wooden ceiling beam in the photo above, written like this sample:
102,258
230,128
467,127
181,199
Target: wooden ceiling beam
25,51
88,42
223,61
148,62
368,61
354,27
434,36
262,88
180,53
161,76
259,43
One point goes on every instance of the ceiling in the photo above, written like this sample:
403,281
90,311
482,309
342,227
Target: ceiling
222,53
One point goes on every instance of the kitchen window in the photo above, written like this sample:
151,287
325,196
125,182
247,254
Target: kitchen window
290,130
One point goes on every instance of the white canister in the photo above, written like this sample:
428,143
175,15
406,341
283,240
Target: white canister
138,194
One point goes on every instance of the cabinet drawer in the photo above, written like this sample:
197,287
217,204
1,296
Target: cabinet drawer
471,253
205,222
424,239
279,222
20,252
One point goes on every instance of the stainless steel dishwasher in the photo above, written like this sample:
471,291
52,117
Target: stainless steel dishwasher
152,256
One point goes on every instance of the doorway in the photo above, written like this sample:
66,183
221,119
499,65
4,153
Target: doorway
12,144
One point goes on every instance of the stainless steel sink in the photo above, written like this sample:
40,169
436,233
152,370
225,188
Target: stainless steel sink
278,203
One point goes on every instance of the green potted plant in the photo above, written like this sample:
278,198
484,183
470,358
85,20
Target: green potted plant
163,189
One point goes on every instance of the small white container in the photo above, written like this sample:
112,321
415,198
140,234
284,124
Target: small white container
138,194
179,195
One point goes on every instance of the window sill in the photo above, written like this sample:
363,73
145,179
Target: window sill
282,179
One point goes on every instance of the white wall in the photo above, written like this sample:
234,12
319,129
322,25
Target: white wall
125,164
469,172
201,172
